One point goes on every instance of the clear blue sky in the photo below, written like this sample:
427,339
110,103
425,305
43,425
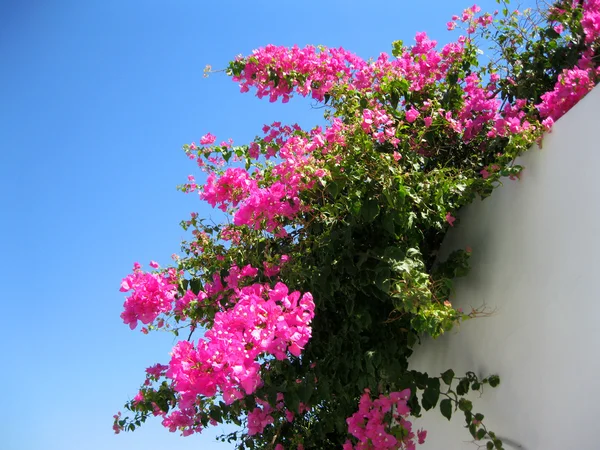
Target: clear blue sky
97,98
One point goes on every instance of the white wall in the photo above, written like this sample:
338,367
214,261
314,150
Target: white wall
536,260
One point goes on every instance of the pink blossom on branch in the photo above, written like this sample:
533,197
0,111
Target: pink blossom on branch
591,20
153,294
263,321
232,187
572,85
373,431
411,115
207,139
258,419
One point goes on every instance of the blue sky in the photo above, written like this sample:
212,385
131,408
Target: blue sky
97,99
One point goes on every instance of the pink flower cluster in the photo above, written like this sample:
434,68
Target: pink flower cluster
572,86
421,65
262,416
373,424
259,418
236,274
183,303
277,72
156,371
233,186
184,420
276,137
264,321
319,70
480,107
472,21
266,208
381,126
208,139
153,294
266,205
481,112
591,20
574,83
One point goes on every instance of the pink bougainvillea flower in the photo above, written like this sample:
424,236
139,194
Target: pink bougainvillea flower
411,115
373,430
208,139
450,219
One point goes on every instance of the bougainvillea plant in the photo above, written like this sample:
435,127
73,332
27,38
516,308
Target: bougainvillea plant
298,314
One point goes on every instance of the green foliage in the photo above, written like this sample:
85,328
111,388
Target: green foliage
531,52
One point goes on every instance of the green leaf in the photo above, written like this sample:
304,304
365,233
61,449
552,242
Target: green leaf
551,33
412,339
468,418
446,408
465,405
272,396
397,48
431,394
421,379
463,386
452,78
323,388
370,210
413,403
383,280
333,189
215,414
481,434
395,98
473,431
195,286
292,401
394,254
306,391
448,376
388,224
494,380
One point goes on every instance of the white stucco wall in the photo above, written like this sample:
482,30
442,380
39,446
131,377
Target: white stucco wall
536,261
